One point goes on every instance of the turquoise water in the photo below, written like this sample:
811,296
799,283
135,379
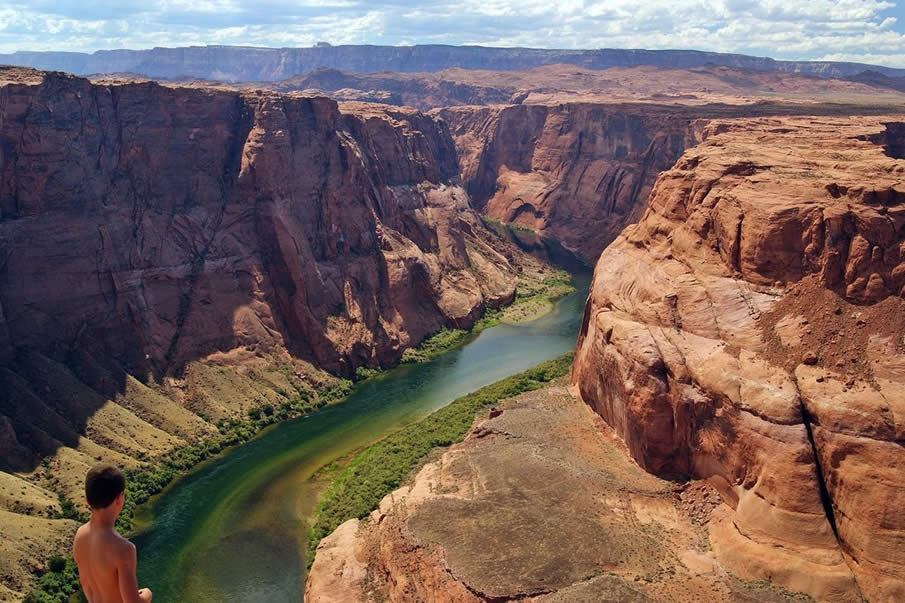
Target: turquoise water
235,529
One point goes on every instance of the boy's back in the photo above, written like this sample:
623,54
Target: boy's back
106,560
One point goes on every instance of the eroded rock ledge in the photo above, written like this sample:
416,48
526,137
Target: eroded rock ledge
749,330
539,503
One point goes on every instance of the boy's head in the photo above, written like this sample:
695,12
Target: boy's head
104,485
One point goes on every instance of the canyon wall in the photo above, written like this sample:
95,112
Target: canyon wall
238,63
159,225
156,226
578,172
749,331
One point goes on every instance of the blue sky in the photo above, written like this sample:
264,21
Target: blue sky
871,31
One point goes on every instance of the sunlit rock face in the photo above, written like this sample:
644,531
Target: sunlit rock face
749,330
579,172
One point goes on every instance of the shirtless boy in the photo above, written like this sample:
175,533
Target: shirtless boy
106,560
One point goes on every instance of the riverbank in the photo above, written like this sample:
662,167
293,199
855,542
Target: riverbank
155,479
540,502
534,298
380,468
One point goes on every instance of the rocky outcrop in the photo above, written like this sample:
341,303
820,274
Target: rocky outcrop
749,331
237,63
539,503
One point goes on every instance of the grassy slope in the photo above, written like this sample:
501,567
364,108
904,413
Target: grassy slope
151,479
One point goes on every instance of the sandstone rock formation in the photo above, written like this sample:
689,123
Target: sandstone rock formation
578,172
581,171
162,224
539,503
749,330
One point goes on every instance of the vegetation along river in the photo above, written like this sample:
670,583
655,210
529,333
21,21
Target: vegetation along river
235,529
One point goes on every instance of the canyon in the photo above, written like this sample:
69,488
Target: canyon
573,153
744,340
173,257
177,254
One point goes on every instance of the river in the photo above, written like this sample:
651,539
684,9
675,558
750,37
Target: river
235,529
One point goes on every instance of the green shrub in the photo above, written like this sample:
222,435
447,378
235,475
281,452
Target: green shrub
56,564
363,372
69,510
413,356
60,584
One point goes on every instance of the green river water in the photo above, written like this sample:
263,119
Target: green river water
235,529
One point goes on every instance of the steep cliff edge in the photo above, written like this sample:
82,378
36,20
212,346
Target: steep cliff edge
173,257
539,503
163,224
749,330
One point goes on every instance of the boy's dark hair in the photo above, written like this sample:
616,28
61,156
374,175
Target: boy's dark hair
103,484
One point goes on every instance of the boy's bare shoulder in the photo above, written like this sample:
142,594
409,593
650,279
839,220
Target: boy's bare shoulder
82,531
122,546
113,539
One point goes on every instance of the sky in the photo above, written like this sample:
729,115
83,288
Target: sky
869,31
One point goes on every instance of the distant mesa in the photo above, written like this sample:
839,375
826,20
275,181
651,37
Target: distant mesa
270,64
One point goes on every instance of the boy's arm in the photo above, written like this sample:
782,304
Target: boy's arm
128,584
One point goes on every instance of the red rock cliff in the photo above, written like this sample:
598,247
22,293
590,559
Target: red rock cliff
749,330
159,224
578,172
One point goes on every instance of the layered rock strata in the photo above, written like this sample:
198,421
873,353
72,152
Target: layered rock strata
578,172
239,63
581,171
162,224
749,330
